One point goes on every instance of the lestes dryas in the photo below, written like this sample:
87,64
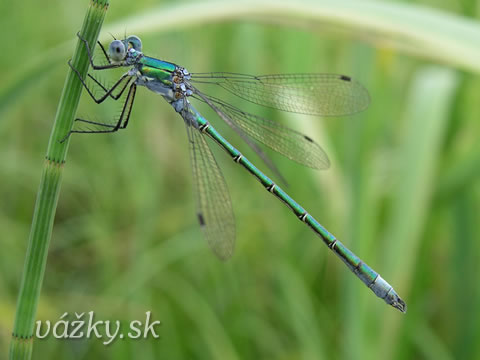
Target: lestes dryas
313,94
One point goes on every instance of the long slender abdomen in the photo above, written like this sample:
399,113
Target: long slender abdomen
369,277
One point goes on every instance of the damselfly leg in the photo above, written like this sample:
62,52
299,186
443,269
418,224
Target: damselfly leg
90,57
122,121
108,92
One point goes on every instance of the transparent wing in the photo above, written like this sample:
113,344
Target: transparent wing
313,94
248,139
215,213
288,142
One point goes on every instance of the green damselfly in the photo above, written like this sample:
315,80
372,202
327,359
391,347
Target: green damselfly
314,94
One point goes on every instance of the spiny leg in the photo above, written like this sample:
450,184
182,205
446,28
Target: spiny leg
108,92
104,52
115,97
90,57
121,123
128,106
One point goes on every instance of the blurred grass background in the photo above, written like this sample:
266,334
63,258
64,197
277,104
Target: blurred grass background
403,191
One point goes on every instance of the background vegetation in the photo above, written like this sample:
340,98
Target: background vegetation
403,191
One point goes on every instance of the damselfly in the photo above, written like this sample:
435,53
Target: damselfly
314,94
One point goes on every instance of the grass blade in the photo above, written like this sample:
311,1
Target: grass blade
425,129
410,28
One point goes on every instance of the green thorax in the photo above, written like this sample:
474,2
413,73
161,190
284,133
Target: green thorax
156,69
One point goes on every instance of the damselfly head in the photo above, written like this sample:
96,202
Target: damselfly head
117,51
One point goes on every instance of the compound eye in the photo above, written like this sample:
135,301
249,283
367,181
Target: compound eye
117,51
135,42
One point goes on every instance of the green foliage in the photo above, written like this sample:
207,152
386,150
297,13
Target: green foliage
403,190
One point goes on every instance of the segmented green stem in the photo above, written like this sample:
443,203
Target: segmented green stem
22,336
